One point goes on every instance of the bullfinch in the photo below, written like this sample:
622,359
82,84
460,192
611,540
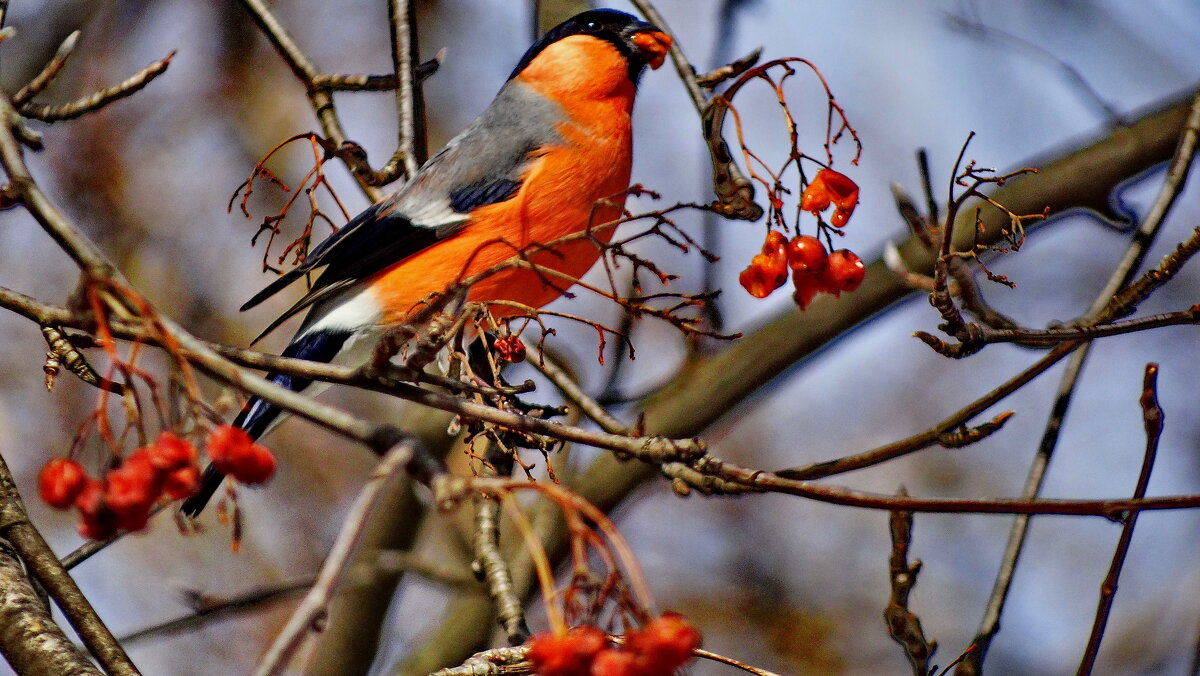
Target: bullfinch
543,161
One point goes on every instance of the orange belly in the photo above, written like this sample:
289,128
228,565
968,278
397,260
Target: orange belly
558,197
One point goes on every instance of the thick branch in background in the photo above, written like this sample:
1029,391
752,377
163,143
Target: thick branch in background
29,639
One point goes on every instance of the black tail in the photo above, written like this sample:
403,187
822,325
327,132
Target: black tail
258,415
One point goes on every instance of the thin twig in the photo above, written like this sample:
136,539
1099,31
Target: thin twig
903,625
214,609
311,612
1106,307
403,36
735,192
547,363
1152,416
48,72
89,104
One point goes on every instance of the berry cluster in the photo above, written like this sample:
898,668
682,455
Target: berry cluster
123,499
813,268
659,648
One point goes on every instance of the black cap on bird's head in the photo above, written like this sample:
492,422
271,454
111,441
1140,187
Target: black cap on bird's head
642,44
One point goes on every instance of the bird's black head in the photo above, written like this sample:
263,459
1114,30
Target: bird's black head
642,44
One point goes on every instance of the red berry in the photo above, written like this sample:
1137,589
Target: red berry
510,349
611,662
806,254
775,245
97,522
807,287
130,491
182,483
225,441
234,453
60,482
845,271
665,644
569,654
256,467
169,452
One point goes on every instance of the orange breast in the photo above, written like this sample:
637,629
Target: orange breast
557,198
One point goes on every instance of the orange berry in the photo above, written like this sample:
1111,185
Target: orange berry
775,245
256,467
845,271
569,654
815,197
842,191
830,187
806,254
225,441
764,275
60,482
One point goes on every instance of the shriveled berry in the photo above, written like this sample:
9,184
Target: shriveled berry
845,271
842,191
510,349
569,654
830,187
764,275
60,482
815,197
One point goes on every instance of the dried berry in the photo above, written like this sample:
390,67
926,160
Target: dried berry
764,275
510,349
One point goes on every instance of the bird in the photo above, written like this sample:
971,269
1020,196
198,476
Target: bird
549,157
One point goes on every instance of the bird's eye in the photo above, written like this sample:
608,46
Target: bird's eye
591,26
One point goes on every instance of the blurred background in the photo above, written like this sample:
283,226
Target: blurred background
783,583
